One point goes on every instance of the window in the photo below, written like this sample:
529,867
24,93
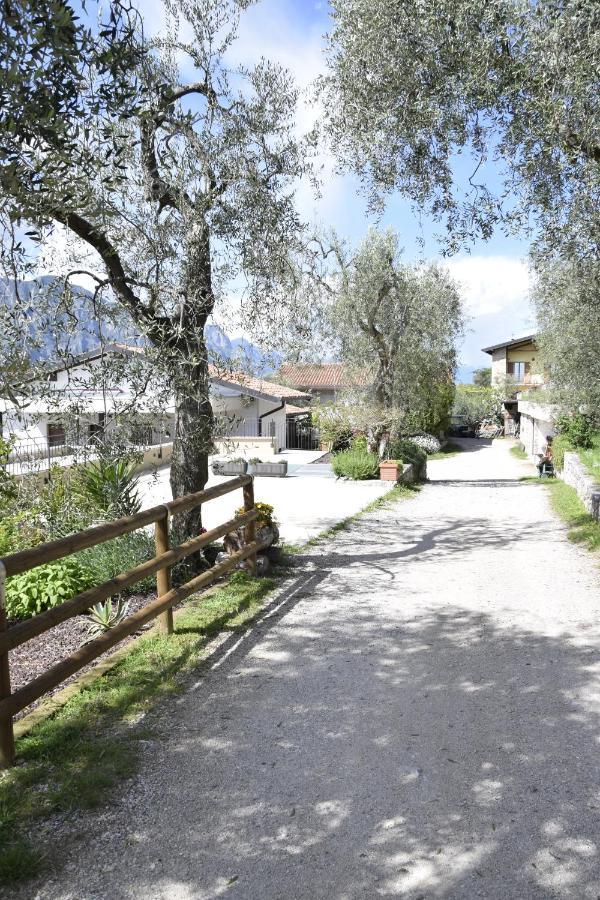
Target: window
56,435
97,428
519,370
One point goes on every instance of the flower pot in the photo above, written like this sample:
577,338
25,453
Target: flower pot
270,470
390,470
223,467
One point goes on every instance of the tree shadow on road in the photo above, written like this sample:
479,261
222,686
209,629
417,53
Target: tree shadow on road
377,755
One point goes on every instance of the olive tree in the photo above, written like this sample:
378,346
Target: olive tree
400,323
422,95
173,171
567,300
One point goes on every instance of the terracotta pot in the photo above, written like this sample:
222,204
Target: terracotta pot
389,470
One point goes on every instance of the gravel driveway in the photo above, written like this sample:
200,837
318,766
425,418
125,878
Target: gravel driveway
416,716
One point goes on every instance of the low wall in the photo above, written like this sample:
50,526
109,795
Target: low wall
577,476
408,474
154,457
263,447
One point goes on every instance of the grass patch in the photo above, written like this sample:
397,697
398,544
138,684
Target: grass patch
591,457
448,450
583,528
519,452
73,760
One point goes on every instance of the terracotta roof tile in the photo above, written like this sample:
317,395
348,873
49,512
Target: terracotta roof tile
261,385
321,375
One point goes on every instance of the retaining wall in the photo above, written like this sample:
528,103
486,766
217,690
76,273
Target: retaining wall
577,476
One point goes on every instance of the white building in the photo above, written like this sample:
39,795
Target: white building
86,397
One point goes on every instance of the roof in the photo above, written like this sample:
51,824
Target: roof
96,353
292,410
321,375
252,386
513,342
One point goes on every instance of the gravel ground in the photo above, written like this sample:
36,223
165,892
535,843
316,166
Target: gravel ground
415,716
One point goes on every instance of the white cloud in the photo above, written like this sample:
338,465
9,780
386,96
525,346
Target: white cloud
491,284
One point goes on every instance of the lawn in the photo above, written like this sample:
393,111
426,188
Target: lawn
591,457
518,451
583,528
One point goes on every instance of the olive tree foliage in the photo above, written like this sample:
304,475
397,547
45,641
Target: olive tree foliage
413,85
175,172
399,324
567,299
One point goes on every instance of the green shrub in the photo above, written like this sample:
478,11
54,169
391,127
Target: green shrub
111,486
407,451
578,429
359,443
46,586
356,464
560,444
119,555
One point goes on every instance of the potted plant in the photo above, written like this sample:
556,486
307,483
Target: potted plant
270,469
235,466
390,469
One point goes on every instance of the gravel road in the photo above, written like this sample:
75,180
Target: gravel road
415,716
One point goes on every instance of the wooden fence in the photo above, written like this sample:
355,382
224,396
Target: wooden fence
160,565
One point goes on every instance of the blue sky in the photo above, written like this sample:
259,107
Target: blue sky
494,275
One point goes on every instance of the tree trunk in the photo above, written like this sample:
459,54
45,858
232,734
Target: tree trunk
191,447
191,382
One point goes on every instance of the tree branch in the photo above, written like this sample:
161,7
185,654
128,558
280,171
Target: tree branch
156,327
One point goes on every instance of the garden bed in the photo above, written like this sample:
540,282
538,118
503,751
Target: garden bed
34,657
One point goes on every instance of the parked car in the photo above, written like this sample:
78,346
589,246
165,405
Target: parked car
460,427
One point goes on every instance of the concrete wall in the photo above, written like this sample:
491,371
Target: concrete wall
537,424
498,365
588,489
157,456
262,447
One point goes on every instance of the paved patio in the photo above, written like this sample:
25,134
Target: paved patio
308,501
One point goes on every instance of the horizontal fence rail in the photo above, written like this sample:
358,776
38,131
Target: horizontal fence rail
160,565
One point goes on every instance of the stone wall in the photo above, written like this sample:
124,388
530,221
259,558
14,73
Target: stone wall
577,476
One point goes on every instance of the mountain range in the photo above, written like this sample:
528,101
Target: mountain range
53,331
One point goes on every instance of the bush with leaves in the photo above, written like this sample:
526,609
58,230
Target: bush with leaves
560,445
103,616
427,442
356,464
45,587
111,485
119,555
8,483
578,429
408,452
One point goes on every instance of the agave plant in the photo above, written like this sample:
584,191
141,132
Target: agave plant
103,616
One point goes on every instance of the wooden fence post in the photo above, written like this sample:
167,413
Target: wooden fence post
163,576
7,739
250,529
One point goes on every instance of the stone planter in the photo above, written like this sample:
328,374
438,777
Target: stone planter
223,467
234,541
269,469
390,470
